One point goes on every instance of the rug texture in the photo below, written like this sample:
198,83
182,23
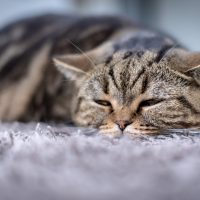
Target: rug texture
46,162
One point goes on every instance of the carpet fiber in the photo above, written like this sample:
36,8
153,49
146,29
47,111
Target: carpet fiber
46,162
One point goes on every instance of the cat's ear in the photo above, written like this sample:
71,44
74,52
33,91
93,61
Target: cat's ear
194,72
73,66
76,65
186,62
191,59
192,64
186,59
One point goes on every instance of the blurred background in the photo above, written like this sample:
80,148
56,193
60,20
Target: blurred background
180,18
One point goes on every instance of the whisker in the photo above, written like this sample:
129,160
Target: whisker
82,52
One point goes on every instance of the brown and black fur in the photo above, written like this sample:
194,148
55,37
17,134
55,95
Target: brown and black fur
57,33
111,74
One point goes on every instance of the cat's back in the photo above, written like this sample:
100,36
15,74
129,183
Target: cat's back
20,40
26,50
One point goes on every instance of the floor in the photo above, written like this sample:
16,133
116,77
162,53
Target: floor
46,162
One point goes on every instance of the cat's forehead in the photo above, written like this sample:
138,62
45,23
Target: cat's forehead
126,68
129,74
131,65
140,57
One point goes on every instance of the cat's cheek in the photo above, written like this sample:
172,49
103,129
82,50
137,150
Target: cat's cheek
92,117
151,116
110,130
140,126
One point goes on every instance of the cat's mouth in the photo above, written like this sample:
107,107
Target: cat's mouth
116,132
142,129
142,132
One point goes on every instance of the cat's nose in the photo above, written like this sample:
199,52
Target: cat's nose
123,124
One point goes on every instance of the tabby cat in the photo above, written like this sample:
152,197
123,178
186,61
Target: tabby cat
102,72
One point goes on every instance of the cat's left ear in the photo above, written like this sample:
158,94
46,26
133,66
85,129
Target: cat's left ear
192,63
194,72
187,63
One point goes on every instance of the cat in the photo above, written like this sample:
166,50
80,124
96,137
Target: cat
103,72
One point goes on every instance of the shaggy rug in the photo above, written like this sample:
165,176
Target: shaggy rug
46,162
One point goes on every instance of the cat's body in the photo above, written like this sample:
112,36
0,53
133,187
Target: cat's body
36,41
125,81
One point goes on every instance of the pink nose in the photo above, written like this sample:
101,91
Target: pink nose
123,124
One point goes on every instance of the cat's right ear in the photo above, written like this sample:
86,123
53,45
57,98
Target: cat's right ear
77,65
72,66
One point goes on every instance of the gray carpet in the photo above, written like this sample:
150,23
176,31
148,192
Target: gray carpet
43,162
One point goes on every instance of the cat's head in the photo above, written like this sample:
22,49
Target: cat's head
135,92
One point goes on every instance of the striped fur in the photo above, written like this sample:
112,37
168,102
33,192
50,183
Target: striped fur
126,80
48,100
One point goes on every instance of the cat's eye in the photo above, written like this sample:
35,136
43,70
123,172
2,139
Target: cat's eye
150,102
102,102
